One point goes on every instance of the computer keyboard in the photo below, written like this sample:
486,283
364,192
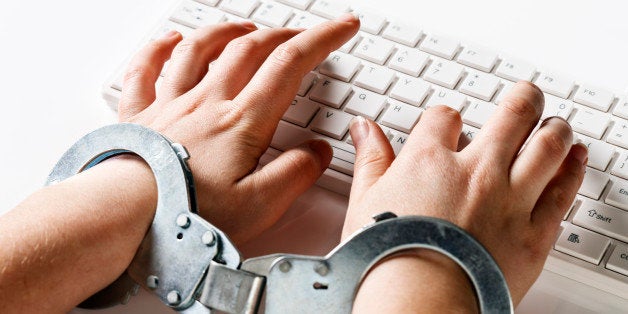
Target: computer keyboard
392,71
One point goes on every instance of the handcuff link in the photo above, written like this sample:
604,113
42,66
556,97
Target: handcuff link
193,267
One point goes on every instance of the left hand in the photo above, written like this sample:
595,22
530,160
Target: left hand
225,115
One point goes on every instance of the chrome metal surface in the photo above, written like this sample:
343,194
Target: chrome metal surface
166,250
231,291
297,284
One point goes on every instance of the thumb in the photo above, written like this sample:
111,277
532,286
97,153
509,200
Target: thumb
281,181
373,155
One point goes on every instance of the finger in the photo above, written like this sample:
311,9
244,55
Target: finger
542,156
138,90
192,56
560,192
503,135
373,155
282,180
273,87
440,125
241,59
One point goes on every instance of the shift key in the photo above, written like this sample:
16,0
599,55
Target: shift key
604,219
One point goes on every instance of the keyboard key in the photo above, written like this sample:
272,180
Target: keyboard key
604,219
403,33
440,46
600,153
289,135
343,160
330,9
478,58
618,135
593,184
409,61
478,113
469,131
401,116
307,82
480,85
371,22
305,20
365,103
340,65
208,2
618,196
581,243
444,73
618,260
195,15
621,110
558,107
301,111
348,46
621,165
410,89
332,123
330,92
506,87
242,8
590,122
397,141
272,14
374,49
515,70
172,26
594,97
448,97
375,78
554,85
299,4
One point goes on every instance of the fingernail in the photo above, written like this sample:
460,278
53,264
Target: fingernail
248,25
359,129
349,17
323,150
169,34
581,153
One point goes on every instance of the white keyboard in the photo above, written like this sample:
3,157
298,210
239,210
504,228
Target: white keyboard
392,71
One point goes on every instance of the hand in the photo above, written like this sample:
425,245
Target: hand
509,196
226,114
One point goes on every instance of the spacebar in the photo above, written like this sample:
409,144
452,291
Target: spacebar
289,135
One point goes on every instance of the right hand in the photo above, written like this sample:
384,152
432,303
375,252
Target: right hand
510,197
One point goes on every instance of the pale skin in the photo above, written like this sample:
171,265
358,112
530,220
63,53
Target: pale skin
67,241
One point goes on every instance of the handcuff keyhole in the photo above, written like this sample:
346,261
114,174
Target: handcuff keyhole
320,286
180,236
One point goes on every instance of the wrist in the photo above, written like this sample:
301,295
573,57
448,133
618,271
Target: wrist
422,280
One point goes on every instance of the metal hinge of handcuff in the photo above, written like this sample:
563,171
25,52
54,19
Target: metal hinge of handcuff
193,267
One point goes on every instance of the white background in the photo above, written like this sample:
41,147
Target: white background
55,55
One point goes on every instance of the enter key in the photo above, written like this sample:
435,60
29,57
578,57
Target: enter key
602,218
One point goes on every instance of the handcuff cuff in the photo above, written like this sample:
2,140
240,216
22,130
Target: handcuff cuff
193,267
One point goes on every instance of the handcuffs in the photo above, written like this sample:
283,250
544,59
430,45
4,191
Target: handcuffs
193,267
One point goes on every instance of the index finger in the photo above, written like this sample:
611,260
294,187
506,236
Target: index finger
267,96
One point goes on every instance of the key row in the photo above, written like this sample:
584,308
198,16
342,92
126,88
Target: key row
358,101
378,49
414,91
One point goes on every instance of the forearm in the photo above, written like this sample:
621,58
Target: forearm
420,281
67,241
